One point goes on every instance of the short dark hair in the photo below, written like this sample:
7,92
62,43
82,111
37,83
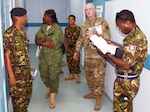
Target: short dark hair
125,15
72,16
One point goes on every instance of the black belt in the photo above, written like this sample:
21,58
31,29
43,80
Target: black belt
127,75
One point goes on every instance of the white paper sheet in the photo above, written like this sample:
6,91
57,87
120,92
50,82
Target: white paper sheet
101,44
38,51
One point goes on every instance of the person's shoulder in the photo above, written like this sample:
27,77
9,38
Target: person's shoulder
100,19
67,27
44,25
9,30
84,23
77,26
139,33
57,25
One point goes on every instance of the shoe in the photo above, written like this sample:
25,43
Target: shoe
90,95
52,101
77,78
98,103
69,77
48,94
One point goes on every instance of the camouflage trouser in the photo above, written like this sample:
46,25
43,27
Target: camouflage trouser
124,93
95,73
73,66
49,75
21,93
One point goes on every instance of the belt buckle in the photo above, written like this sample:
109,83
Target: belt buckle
126,75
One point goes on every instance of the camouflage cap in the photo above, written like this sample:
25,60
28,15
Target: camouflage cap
17,11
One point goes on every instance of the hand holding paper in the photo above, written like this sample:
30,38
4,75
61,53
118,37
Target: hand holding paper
94,34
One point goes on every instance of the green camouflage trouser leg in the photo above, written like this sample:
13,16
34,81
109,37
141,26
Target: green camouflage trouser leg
95,73
73,66
124,93
50,76
21,93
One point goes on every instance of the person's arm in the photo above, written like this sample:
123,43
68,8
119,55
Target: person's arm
40,38
78,47
113,43
106,30
119,62
48,44
8,64
65,43
66,34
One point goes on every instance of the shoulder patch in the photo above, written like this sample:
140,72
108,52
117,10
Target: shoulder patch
131,49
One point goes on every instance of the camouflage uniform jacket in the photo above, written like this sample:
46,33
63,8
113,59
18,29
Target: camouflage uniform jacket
54,33
89,50
16,42
72,34
135,46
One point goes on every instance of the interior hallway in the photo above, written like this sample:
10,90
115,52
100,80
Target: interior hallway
70,95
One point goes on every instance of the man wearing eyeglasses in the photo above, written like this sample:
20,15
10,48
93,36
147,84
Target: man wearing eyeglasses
95,64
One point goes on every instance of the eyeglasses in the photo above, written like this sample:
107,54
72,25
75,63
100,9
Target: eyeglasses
89,9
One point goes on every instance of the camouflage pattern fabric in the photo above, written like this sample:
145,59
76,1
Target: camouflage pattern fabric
92,59
50,60
49,75
124,92
21,93
95,73
72,34
135,46
17,44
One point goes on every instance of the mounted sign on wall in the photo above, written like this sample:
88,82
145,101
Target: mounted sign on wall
99,10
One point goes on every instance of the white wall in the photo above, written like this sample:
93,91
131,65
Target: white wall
77,8
140,8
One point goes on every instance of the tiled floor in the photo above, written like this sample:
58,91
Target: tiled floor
70,95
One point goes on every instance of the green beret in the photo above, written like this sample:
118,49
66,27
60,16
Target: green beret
18,11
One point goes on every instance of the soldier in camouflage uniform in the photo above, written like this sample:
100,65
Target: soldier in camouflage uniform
17,61
71,35
95,63
130,66
50,37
